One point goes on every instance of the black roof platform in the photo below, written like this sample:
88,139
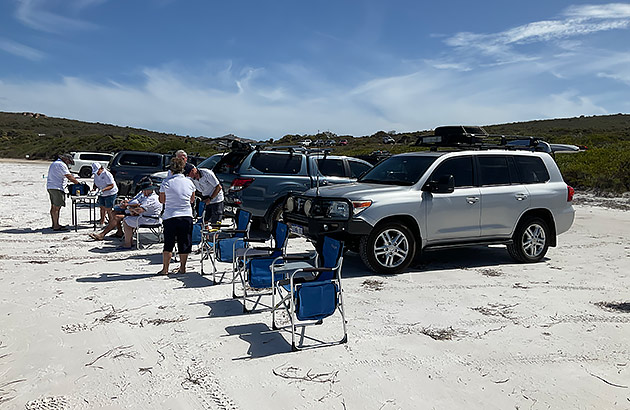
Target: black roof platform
474,137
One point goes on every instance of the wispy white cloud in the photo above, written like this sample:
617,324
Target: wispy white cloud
420,100
577,21
20,50
602,11
47,16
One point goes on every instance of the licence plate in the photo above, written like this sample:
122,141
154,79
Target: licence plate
296,229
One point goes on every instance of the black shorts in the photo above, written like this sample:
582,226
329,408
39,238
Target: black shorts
214,213
178,229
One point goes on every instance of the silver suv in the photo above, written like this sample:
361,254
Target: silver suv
427,200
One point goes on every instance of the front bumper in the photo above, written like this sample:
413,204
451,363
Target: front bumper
315,228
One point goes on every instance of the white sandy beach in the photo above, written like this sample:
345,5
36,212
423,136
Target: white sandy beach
83,326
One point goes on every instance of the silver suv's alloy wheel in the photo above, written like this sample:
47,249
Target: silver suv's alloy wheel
388,249
391,248
534,240
530,241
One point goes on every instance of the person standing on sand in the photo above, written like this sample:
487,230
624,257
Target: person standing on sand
181,154
104,181
208,184
58,172
177,193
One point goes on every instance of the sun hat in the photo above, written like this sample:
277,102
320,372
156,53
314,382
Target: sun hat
95,167
146,184
67,157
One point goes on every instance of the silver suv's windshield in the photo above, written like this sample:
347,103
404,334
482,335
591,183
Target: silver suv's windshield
399,170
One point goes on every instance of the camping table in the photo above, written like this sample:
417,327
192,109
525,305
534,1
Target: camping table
83,201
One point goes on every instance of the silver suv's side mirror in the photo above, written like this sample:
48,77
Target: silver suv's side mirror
444,185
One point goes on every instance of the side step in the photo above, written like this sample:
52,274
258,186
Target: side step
467,244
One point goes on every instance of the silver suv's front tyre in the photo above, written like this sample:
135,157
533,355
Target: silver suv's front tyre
388,249
530,241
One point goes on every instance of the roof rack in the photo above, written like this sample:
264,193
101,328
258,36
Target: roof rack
297,148
476,138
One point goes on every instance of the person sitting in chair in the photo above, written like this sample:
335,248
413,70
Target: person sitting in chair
122,210
144,209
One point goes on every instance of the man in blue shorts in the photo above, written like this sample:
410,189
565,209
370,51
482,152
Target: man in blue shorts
104,181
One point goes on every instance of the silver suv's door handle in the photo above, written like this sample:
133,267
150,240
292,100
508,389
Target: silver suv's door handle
520,197
472,199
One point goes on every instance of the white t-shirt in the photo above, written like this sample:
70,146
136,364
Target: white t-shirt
57,175
106,178
178,190
151,204
206,184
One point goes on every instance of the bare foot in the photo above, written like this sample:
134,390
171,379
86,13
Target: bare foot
96,237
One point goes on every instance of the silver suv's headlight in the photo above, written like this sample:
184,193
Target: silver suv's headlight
339,209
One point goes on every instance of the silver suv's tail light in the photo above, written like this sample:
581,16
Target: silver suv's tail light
570,193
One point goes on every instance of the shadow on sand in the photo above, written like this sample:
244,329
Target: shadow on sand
437,260
113,277
262,340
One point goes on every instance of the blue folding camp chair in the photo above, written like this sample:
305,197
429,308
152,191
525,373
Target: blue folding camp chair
252,265
222,243
309,288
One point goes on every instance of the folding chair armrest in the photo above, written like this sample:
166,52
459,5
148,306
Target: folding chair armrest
317,270
258,240
299,257
219,226
233,231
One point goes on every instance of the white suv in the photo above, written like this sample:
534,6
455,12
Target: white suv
83,162
428,200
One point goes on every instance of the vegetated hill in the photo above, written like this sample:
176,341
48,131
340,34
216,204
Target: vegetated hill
604,167
42,137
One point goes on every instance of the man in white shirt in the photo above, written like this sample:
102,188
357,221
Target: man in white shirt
211,190
58,172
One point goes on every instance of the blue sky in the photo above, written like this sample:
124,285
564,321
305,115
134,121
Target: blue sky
263,69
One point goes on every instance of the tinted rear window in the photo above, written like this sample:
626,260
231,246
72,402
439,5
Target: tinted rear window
532,170
272,163
140,160
95,157
331,167
357,168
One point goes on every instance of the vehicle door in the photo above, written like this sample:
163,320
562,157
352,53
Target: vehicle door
357,167
331,171
503,197
273,175
453,216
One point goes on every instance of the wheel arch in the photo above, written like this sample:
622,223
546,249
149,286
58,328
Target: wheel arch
407,220
546,216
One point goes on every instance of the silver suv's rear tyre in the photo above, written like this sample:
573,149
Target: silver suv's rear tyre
530,241
388,249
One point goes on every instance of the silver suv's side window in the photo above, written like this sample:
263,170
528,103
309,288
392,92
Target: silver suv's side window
461,168
532,170
494,170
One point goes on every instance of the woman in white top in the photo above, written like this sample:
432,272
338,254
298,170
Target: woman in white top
104,181
177,193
